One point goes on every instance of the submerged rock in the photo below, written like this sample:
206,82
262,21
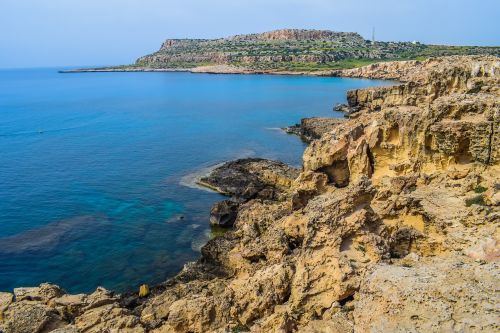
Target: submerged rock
48,237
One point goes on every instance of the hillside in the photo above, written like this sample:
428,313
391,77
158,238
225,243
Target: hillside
293,50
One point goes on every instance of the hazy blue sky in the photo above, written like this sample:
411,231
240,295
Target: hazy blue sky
102,32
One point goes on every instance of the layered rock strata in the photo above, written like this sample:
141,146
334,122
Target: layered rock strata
391,226
288,50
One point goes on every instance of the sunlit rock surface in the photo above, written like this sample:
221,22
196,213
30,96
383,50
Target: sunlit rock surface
391,226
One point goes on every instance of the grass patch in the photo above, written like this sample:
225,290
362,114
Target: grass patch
291,66
347,308
361,248
240,328
477,200
412,188
480,189
216,231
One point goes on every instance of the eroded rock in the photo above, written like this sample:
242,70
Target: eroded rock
223,213
251,178
392,225
450,293
311,129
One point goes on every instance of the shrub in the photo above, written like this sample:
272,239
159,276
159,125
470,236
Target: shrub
480,189
240,328
477,200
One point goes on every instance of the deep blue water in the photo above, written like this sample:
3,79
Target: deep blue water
92,165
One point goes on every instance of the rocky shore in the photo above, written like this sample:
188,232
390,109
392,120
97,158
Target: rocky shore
206,69
392,225
251,178
311,129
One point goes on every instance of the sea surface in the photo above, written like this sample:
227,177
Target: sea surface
96,169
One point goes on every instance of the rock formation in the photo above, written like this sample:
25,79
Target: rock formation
391,226
311,129
292,50
251,178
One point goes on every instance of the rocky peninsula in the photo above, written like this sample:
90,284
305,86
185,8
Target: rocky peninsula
390,226
284,52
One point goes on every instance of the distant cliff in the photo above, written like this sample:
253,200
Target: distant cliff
292,50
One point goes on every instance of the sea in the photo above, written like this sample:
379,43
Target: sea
98,170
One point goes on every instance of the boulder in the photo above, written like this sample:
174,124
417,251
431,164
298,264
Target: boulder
224,213
26,316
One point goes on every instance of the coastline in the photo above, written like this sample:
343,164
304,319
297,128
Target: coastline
275,278
192,179
216,70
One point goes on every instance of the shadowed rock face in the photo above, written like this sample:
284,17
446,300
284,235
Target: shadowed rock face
224,213
391,226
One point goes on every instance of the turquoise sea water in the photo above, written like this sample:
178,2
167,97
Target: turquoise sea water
94,166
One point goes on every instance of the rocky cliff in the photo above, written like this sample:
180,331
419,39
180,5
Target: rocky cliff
391,226
289,50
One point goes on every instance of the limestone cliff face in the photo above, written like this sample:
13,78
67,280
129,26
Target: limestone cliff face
392,226
267,47
445,118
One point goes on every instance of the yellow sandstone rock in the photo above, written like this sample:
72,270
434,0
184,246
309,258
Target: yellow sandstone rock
143,290
392,225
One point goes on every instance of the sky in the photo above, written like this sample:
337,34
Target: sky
51,33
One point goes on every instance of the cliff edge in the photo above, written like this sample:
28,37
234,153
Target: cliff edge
391,226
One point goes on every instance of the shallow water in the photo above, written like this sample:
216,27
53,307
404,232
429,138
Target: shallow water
94,166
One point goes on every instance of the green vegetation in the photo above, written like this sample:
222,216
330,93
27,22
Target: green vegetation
240,328
361,248
477,200
412,188
294,66
295,51
175,65
216,231
480,189
347,308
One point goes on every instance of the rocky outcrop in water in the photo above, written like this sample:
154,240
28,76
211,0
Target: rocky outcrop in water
250,178
391,226
311,129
